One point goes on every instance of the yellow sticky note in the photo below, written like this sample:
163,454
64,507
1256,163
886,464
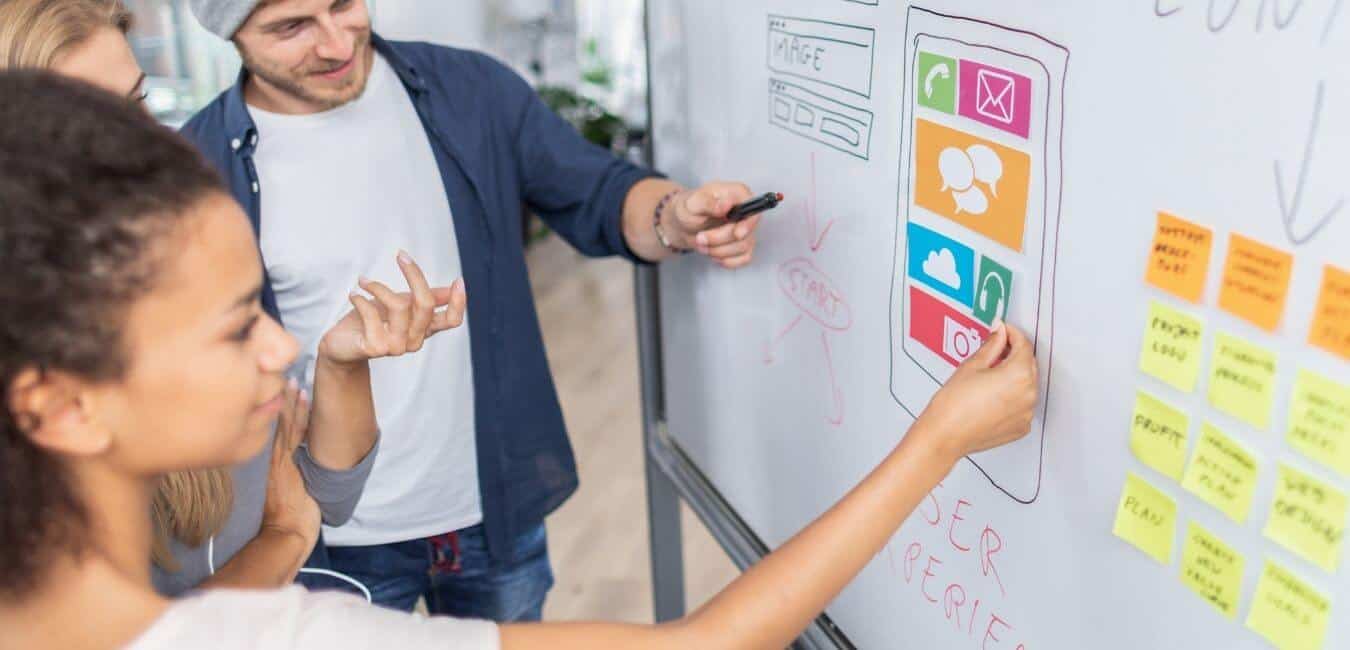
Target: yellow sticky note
1212,569
1331,320
1255,282
1243,382
1147,518
1308,517
1222,473
1319,420
1289,612
1158,435
1179,263
1172,346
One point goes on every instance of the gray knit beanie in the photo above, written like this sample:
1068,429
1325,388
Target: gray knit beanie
223,17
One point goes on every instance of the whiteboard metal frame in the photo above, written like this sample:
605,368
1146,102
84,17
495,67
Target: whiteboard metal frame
671,475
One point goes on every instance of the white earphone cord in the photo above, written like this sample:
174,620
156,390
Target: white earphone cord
211,567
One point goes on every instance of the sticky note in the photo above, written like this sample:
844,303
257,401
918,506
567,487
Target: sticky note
1289,612
1319,420
1331,321
1172,346
1255,282
1147,518
1243,381
1212,569
1308,517
1222,473
1179,262
1158,435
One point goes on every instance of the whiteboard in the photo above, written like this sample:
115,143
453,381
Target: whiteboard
1089,155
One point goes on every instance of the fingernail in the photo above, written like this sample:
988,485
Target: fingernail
354,295
292,383
702,240
304,395
998,325
362,280
404,257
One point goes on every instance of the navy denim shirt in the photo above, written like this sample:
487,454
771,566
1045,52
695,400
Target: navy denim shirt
498,147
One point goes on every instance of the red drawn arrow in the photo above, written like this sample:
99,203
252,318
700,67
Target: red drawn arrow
814,240
838,417
768,347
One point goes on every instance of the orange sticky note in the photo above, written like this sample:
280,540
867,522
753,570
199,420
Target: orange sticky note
1179,263
1331,321
1255,282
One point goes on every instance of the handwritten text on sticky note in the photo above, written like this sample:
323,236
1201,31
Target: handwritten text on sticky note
1147,518
1172,347
1319,420
1289,612
1255,282
1179,262
1158,435
1212,569
1243,382
1308,517
1222,473
1331,321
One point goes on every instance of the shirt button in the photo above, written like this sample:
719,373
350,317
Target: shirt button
253,141
235,144
255,187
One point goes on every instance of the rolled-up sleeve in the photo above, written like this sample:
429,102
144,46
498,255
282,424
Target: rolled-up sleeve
577,187
336,491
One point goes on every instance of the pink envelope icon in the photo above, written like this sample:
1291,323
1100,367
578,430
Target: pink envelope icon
997,97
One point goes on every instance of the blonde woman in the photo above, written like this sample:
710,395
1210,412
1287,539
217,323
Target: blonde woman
140,347
254,525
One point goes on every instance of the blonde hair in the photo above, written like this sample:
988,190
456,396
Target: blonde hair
33,33
190,507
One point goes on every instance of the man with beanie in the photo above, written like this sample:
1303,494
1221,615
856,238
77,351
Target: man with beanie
346,151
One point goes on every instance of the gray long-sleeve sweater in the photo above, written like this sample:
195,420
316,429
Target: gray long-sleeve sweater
336,492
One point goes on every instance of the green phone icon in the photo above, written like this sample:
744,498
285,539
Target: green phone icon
937,82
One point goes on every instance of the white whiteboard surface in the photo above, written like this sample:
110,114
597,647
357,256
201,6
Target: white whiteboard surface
787,381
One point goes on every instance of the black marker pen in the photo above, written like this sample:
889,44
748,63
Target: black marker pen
755,206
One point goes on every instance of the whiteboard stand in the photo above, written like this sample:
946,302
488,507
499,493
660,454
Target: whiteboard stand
671,476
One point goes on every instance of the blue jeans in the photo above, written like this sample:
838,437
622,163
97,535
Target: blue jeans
455,574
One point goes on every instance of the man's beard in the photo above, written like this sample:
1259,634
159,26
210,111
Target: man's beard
294,85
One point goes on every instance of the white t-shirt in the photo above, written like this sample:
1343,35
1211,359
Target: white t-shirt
292,618
342,191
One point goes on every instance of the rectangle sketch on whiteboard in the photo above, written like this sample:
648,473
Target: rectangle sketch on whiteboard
828,53
980,180
815,116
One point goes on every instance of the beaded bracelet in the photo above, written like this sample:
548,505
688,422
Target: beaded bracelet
656,224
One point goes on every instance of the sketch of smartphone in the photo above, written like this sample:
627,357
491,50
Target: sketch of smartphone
978,216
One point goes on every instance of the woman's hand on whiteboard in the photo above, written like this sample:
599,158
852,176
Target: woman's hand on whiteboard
990,400
701,218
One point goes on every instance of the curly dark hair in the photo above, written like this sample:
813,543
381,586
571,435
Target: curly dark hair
89,186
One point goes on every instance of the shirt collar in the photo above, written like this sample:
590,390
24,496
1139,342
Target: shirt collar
243,133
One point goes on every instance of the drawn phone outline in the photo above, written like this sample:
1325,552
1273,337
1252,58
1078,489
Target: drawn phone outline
1050,164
